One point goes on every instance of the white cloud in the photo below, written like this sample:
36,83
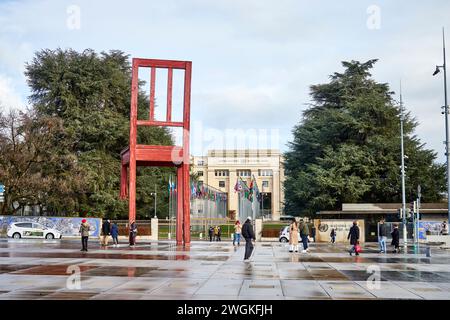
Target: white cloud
9,98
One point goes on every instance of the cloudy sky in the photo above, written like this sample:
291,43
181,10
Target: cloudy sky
253,60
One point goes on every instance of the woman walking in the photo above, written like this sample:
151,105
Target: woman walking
237,233
293,236
353,235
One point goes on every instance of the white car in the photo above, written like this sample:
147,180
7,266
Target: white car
284,235
19,230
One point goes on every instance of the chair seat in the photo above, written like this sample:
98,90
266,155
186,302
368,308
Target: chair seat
167,156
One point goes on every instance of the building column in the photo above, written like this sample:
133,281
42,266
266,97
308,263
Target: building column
232,195
276,195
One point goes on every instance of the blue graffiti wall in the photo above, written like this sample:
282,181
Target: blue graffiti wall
69,227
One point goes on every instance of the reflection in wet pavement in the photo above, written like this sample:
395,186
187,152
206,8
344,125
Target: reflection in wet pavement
40,269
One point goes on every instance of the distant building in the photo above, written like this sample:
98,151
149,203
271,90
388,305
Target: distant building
221,169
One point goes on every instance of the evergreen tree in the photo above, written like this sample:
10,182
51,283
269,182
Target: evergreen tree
347,148
90,93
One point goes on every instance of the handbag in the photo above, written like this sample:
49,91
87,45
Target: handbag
358,248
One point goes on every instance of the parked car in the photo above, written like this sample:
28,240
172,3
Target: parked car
284,235
19,230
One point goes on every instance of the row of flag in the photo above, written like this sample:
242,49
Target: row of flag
199,191
248,192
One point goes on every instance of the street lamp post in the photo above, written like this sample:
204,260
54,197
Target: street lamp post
447,153
403,171
154,194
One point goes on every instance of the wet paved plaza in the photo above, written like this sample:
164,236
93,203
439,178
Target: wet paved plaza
35,269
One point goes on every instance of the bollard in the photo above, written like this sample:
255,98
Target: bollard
201,235
428,252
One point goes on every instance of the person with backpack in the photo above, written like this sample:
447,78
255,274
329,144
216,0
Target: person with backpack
382,236
396,238
115,234
353,235
249,236
84,231
304,233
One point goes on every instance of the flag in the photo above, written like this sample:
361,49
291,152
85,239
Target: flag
238,186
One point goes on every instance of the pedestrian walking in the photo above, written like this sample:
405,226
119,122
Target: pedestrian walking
304,233
313,233
237,233
211,233
106,232
293,236
133,233
353,235
84,231
444,228
333,235
249,236
115,234
382,236
395,238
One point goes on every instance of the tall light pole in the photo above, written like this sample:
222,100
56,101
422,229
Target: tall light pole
447,153
403,169
154,194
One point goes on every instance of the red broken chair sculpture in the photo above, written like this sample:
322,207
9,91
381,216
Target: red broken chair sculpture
159,156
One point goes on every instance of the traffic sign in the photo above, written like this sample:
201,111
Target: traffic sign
2,188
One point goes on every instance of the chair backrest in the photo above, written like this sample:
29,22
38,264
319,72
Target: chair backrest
170,65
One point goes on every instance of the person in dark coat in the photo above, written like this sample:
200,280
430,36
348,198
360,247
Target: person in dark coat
211,233
353,235
249,236
333,235
396,238
133,233
115,233
313,233
106,232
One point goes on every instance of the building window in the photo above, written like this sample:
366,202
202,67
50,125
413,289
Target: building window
221,184
200,182
265,184
201,162
244,173
221,173
265,172
200,173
